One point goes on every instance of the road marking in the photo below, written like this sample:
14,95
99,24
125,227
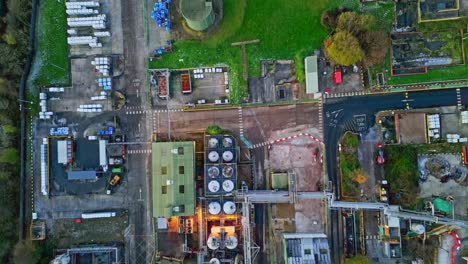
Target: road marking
140,112
241,122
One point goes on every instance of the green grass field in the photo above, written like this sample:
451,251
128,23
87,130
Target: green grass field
50,65
286,30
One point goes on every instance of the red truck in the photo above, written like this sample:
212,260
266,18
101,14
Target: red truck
186,83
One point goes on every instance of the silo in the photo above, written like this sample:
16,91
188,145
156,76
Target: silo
199,14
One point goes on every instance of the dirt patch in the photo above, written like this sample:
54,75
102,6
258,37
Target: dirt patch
97,231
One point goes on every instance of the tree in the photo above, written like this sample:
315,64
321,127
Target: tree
329,18
358,260
376,45
213,130
343,48
355,23
9,38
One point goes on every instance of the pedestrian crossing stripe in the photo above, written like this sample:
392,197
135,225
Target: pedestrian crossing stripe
140,112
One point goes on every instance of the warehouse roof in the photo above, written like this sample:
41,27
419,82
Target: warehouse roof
311,71
173,169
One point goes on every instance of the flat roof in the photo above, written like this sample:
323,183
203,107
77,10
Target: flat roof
173,170
411,128
311,71
81,175
306,248
279,180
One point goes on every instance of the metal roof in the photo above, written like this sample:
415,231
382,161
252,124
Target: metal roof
81,175
311,71
306,248
173,166
62,152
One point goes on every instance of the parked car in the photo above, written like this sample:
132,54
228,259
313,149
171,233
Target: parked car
337,75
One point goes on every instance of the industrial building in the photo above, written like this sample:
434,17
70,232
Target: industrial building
198,14
306,248
173,169
89,254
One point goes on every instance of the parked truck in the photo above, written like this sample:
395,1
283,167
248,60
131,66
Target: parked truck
186,83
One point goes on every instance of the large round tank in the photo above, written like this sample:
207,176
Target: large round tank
228,186
213,156
214,208
214,261
213,143
198,14
231,241
213,172
213,242
227,142
228,156
213,186
229,207
418,228
228,171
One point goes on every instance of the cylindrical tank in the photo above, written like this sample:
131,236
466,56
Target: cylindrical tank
198,14
418,228
228,186
213,172
214,208
213,242
231,241
213,156
228,156
213,143
228,171
213,186
214,261
227,142
229,207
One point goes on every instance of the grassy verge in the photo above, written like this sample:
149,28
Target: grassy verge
286,30
383,12
50,65
349,164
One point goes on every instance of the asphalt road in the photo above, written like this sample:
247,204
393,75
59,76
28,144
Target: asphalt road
358,114
134,87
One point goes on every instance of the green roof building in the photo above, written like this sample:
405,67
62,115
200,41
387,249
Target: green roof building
199,14
173,169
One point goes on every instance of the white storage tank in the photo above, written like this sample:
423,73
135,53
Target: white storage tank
228,186
213,156
231,241
227,142
213,172
213,242
213,143
214,261
213,186
229,207
214,208
228,156
418,228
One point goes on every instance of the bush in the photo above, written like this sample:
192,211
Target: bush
213,130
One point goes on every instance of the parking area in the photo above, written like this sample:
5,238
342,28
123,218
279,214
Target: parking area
112,44
193,86
351,80
157,36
